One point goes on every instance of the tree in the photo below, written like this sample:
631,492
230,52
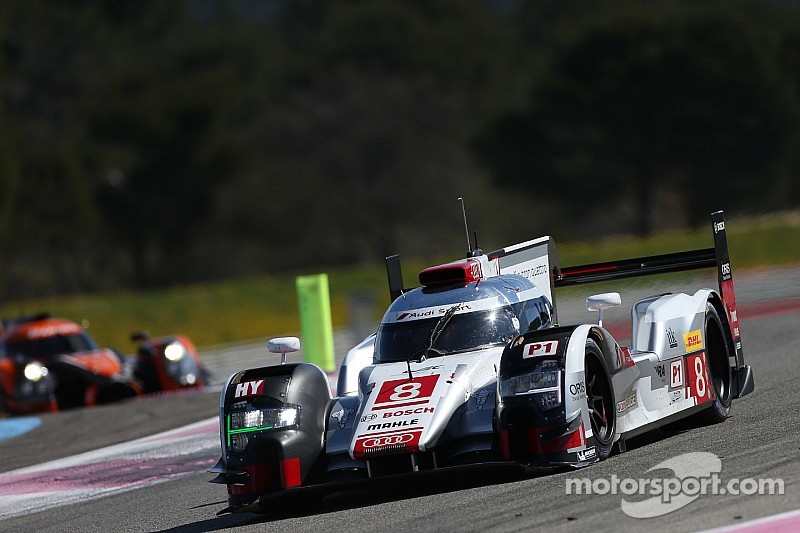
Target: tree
664,108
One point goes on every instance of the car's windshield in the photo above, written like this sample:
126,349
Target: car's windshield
401,341
51,346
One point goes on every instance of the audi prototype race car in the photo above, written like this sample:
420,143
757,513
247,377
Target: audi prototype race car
473,367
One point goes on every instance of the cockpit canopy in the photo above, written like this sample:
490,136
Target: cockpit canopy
487,313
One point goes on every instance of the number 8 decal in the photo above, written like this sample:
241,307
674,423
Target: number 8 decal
700,379
697,385
406,391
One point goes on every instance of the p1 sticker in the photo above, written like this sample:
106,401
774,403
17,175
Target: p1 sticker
676,373
538,349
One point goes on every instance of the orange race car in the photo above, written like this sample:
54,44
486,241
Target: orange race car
51,363
167,363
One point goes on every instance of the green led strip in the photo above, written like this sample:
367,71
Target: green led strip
230,431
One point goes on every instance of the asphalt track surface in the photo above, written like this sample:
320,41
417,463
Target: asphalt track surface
760,440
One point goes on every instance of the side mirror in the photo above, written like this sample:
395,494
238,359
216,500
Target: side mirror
598,302
140,336
283,345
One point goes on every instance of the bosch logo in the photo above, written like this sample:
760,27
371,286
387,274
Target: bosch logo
577,388
388,440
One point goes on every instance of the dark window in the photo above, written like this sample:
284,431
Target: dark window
53,346
400,341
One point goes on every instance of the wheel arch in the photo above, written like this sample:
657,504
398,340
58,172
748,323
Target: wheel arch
609,349
715,300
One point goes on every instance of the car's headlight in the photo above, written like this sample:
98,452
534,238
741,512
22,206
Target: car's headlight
544,382
175,351
239,424
35,371
265,419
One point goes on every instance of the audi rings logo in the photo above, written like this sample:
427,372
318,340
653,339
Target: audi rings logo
388,440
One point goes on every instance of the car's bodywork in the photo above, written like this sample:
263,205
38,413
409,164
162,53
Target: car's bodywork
473,367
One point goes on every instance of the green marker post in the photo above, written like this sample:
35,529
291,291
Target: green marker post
314,303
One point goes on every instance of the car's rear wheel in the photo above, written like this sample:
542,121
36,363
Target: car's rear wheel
719,367
599,399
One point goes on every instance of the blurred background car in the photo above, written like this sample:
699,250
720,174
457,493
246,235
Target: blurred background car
167,363
53,363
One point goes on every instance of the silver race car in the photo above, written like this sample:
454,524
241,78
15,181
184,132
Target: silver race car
473,367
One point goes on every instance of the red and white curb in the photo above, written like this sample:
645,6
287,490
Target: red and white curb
111,470
788,522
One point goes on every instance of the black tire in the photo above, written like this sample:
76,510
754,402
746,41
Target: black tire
4,413
717,355
599,399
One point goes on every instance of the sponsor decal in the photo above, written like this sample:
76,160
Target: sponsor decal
391,441
238,405
367,418
627,403
660,370
729,298
734,321
726,271
53,330
537,349
719,226
387,440
693,340
475,271
698,385
587,454
481,395
393,425
249,388
429,312
535,271
625,357
673,342
578,389
404,412
420,314
405,392
676,373
342,416
676,396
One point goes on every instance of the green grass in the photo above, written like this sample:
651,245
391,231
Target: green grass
250,309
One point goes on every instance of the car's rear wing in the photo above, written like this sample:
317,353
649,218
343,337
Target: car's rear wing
717,256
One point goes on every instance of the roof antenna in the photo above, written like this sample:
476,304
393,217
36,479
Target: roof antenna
466,226
471,252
